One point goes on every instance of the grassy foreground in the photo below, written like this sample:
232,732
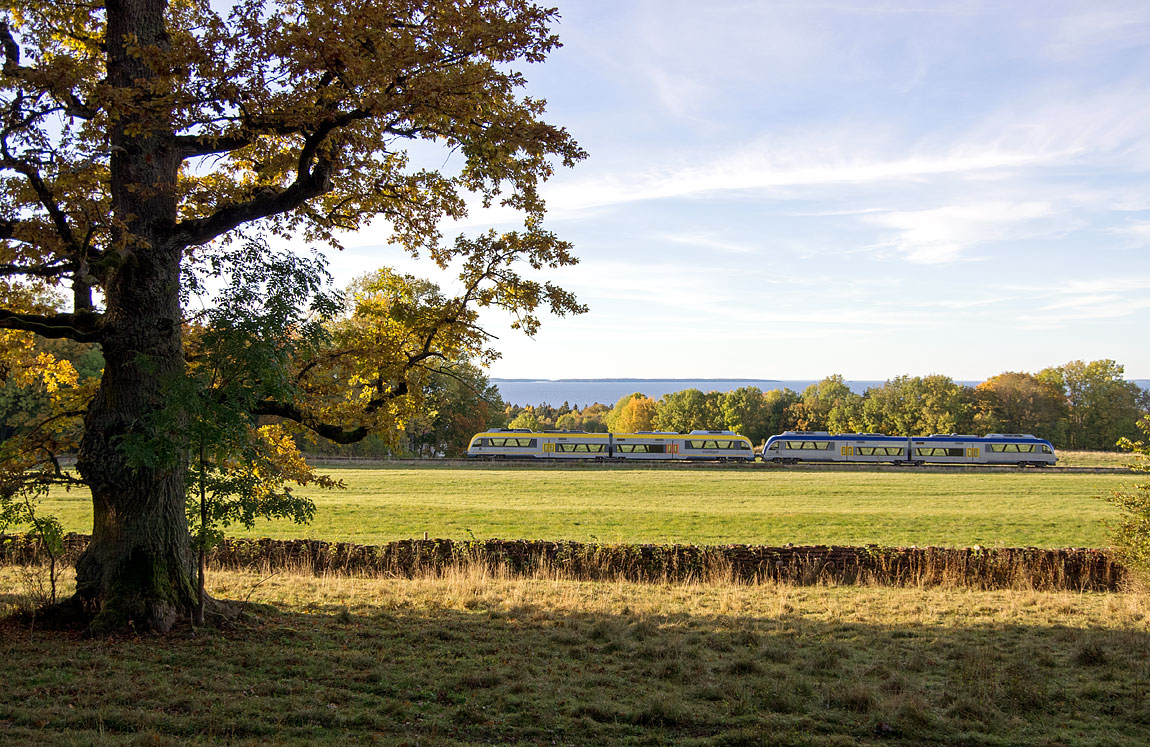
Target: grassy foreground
612,504
470,658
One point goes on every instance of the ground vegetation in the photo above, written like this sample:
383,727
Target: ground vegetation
469,657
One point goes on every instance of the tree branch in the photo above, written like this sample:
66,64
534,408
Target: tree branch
74,106
81,327
313,178
43,271
44,193
291,412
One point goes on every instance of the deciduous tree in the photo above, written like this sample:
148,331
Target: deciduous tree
914,405
745,412
1020,403
638,414
827,405
685,411
1101,406
137,136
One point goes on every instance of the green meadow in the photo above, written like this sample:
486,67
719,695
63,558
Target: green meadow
612,504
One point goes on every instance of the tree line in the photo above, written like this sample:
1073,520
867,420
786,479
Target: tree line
1078,405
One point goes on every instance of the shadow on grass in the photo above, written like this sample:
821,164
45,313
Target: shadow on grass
530,674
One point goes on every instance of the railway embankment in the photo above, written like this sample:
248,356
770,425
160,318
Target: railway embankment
1077,569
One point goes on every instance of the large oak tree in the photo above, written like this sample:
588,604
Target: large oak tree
139,136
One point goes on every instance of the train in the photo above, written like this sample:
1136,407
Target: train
1017,449
522,443
789,447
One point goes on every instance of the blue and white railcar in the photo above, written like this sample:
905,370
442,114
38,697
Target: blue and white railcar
792,447
1023,450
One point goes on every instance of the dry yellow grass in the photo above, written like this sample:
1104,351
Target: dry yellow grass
471,656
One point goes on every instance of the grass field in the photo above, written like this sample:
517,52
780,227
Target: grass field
704,506
1094,459
473,659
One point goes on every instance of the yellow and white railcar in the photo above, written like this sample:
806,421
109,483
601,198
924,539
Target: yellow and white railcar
721,445
505,443
645,446
576,445
521,443
516,443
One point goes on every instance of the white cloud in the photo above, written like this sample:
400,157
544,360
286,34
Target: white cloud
941,234
1138,233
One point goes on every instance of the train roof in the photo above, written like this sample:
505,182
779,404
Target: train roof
996,437
824,436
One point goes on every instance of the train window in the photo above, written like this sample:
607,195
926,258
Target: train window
581,448
936,452
514,443
810,445
773,447
710,444
1046,449
640,448
1014,448
879,450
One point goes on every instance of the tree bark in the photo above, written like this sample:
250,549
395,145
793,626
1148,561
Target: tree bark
138,570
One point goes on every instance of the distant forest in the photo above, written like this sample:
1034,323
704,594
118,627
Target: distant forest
1078,405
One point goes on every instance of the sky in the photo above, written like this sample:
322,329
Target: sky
790,190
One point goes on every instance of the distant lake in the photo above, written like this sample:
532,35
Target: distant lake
583,392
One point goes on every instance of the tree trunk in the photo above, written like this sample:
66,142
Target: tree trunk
138,569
